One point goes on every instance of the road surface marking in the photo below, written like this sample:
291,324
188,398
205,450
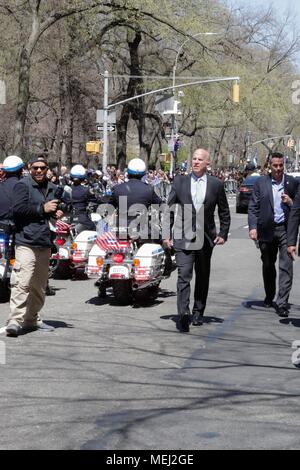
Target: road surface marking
171,364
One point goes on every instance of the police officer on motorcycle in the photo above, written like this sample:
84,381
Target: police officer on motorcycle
139,193
133,192
80,198
13,169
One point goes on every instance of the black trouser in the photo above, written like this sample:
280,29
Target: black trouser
269,251
187,260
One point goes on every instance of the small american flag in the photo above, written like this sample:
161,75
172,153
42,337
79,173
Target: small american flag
108,241
62,227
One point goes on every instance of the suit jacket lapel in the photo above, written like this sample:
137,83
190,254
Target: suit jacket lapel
270,192
208,187
189,190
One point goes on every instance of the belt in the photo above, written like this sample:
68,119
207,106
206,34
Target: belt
280,224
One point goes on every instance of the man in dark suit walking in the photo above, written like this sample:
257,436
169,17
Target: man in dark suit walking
293,227
196,196
268,215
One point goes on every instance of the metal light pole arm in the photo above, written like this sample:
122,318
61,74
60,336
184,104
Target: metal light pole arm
153,92
270,138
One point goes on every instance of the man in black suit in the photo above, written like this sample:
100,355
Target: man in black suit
196,196
268,215
293,227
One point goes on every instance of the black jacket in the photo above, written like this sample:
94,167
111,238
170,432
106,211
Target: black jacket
214,197
32,224
294,221
81,197
136,192
7,197
133,199
261,206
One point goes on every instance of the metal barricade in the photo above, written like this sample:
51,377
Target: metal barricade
230,186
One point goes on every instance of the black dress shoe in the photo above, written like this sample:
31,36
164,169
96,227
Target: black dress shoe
197,319
282,312
50,291
268,303
183,323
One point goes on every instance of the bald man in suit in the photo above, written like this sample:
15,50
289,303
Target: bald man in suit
197,195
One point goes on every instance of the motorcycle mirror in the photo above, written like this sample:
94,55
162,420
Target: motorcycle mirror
67,193
95,217
68,189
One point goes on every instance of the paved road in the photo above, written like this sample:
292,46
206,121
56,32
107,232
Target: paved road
114,377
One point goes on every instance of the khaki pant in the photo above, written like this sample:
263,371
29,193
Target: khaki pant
28,284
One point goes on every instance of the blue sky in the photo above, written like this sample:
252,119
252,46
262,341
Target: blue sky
280,5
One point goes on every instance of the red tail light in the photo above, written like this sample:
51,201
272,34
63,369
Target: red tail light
118,258
60,241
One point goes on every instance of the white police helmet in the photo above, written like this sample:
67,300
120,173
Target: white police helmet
78,172
136,166
12,163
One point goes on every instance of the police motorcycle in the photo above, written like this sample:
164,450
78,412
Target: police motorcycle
72,241
131,269
122,259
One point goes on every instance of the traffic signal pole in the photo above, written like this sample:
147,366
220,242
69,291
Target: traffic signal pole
105,123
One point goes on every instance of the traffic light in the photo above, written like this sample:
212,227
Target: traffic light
236,92
94,146
165,157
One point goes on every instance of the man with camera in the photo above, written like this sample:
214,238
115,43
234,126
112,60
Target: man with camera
34,204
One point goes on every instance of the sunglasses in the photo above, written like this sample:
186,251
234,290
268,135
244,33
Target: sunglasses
42,168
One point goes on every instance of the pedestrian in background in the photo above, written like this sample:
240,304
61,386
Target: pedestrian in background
293,227
268,216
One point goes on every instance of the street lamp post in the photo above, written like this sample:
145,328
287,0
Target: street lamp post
175,103
182,46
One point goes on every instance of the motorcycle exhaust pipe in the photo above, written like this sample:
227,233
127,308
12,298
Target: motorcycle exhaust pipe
147,284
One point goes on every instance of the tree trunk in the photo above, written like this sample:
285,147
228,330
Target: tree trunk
23,99
218,145
129,108
122,126
66,109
